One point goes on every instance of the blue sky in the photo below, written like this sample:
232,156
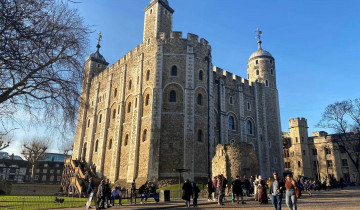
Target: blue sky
315,43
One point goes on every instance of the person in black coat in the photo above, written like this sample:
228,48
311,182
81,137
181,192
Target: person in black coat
237,189
195,192
187,192
210,189
247,186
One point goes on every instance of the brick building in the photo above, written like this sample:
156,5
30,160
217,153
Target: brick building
164,106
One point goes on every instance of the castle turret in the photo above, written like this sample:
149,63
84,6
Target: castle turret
158,18
261,66
261,72
94,64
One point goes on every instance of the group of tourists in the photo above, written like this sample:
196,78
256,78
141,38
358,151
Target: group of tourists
104,195
190,190
262,190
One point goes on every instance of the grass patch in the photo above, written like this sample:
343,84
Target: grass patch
39,202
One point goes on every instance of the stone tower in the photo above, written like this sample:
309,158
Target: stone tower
300,151
261,72
93,65
158,18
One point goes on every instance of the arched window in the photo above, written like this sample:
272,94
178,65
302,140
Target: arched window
147,99
135,102
199,99
249,127
110,143
114,114
257,72
88,123
147,75
126,139
267,83
148,42
271,61
231,100
119,109
299,164
271,71
231,123
144,135
248,106
100,118
199,135
115,92
84,151
96,145
173,71
172,96
130,84
129,107
257,62
201,75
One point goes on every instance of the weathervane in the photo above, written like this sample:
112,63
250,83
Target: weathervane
259,34
98,41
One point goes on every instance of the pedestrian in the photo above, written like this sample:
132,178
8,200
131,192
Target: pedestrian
291,186
277,187
237,190
186,192
107,192
252,180
91,190
215,196
256,195
262,191
133,189
210,188
195,192
247,186
101,194
221,186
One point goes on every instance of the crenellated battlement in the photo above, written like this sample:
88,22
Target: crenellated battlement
228,74
178,35
298,122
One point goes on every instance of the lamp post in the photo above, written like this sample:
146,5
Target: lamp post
180,170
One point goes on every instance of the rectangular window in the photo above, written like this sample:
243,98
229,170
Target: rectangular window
329,163
44,178
46,165
51,171
275,160
316,164
314,151
36,177
58,178
296,139
44,170
302,139
327,151
303,152
342,149
58,171
37,171
344,162
51,178
287,164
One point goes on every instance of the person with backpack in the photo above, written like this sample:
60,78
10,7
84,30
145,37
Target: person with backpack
291,197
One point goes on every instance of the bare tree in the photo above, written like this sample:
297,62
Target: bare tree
42,47
344,119
34,150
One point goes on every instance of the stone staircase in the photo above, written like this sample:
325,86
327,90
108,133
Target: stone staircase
75,177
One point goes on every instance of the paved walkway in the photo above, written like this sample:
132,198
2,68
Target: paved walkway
348,198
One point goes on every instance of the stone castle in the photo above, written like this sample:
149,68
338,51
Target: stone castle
319,156
164,106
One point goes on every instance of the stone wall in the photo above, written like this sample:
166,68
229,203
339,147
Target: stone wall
235,159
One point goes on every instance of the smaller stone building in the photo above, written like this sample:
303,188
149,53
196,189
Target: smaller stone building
235,159
319,156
